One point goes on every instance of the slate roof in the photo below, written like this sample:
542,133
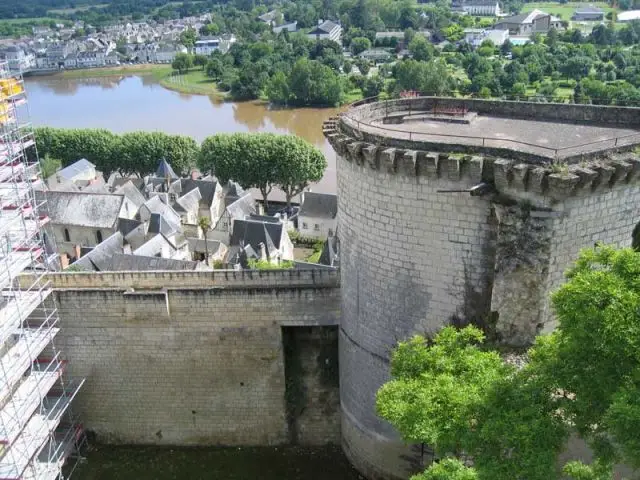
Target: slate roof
129,190
156,205
190,202
159,224
587,9
165,170
119,181
242,207
197,245
330,254
99,257
251,232
154,246
126,225
207,189
319,205
325,27
122,262
76,168
95,210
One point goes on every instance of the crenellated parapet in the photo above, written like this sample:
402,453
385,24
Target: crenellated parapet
553,180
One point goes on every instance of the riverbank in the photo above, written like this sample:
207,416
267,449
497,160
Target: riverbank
162,463
194,82
158,71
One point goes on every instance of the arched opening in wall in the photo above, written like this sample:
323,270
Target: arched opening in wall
635,238
67,237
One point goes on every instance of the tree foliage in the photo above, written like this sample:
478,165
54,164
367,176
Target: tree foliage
263,160
136,152
461,398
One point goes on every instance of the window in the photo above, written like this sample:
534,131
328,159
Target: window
67,237
304,226
99,236
316,227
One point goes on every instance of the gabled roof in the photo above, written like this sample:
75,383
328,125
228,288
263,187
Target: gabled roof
159,224
198,245
126,225
122,262
251,232
207,189
76,168
320,205
99,257
588,9
116,182
129,190
190,202
156,205
165,170
96,210
154,246
242,207
325,27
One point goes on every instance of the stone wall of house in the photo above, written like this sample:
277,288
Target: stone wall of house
196,358
416,255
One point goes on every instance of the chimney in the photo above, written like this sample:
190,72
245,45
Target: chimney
260,209
263,252
194,174
78,250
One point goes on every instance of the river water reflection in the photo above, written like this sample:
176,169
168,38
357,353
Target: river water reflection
124,104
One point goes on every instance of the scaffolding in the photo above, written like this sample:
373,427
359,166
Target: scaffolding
38,432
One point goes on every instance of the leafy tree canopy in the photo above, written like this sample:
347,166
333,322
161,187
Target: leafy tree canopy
460,397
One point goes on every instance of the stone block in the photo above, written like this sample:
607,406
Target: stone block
538,180
605,172
355,152
502,173
432,164
370,153
388,160
562,185
450,166
587,176
407,163
475,166
622,170
520,174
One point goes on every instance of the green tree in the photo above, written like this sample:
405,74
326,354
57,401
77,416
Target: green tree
277,89
421,49
141,151
182,62
200,61
447,469
463,399
312,83
214,68
49,166
204,224
188,38
263,160
453,32
372,86
431,78
360,44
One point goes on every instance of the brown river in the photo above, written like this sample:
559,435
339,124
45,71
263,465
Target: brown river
124,104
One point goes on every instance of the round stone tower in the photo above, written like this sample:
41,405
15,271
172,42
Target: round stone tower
459,211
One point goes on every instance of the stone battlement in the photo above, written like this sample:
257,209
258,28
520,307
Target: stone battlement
555,180
220,279
530,132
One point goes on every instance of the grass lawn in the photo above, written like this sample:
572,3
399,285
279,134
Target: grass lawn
194,82
353,96
157,70
31,20
563,11
82,8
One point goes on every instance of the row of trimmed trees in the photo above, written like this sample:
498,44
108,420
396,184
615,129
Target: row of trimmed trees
254,160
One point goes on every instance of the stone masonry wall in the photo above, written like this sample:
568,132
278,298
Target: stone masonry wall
180,364
412,260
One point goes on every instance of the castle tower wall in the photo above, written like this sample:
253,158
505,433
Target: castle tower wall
419,251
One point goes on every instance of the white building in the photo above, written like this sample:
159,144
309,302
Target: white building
489,8
289,27
318,215
208,46
19,60
326,30
475,36
628,16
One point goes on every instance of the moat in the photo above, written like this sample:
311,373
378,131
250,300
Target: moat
154,463
123,104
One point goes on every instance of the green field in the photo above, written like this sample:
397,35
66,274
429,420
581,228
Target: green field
564,11
159,71
83,8
30,20
194,81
